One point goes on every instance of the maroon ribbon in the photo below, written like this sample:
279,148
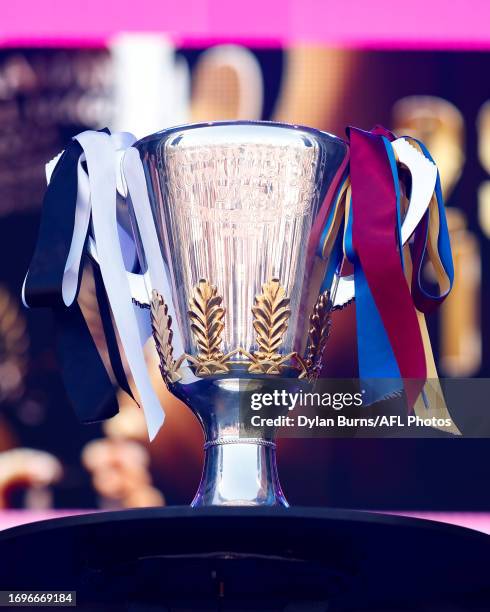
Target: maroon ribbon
374,210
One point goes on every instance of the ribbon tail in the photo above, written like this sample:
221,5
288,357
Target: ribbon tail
431,403
376,245
100,155
78,353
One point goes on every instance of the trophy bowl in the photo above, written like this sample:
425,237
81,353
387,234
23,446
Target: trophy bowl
234,205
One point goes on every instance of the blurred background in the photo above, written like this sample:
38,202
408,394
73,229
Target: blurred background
408,76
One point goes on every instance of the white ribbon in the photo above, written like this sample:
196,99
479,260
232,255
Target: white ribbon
96,197
100,151
424,177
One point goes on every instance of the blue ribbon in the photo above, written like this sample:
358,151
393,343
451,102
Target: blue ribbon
378,370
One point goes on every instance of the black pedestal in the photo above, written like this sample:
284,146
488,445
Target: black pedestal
180,558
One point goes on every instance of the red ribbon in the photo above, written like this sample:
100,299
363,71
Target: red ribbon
376,244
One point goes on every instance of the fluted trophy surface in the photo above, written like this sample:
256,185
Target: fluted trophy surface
234,205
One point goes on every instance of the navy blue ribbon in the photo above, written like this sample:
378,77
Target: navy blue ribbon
78,354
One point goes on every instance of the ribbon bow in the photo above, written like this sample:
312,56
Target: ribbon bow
80,218
363,224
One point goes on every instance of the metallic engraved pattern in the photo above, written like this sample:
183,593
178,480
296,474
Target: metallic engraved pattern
206,315
271,313
228,440
161,324
239,206
254,176
320,323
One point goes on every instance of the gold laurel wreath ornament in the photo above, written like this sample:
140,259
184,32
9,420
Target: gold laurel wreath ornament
271,314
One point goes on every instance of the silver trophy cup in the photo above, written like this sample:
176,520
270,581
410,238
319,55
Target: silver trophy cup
235,206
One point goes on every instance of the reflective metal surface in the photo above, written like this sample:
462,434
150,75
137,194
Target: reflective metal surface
239,466
234,204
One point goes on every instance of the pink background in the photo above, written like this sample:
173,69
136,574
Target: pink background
436,24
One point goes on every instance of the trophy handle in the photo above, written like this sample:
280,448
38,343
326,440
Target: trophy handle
424,177
157,272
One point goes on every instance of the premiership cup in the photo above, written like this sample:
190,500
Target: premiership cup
241,231
236,207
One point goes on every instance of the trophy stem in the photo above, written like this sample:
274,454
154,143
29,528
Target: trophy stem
239,472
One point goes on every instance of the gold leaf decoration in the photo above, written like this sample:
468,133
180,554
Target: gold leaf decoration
320,323
271,313
161,323
206,314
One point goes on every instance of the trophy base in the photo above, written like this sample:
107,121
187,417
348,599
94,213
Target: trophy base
307,559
